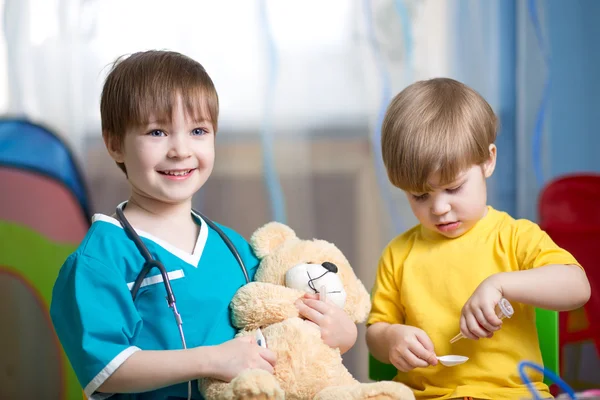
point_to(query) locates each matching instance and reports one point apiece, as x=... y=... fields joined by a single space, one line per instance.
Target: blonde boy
x=446 y=274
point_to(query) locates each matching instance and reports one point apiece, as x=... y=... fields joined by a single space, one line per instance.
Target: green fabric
x=37 y=260
x=547 y=326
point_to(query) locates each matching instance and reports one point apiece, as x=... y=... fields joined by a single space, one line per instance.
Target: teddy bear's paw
x=387 y=390
x=367 y=391
x=255 y=384
x=334 y=392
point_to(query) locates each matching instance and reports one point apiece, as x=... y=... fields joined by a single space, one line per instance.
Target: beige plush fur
x=306 y=367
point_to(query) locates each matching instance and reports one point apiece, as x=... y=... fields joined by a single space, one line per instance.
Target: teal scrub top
x=100 y=326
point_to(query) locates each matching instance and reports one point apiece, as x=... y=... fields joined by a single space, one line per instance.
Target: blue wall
x=574 y=34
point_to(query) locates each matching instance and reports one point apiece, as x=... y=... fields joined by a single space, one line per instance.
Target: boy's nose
x=440 y=207
x=179 y=148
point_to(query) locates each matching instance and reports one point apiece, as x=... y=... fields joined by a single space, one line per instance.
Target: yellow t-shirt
x=424 y=279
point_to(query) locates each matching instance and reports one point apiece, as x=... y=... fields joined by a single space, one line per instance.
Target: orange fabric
x=577 y=320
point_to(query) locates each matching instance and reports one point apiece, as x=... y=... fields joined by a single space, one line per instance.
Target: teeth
x=177 y=173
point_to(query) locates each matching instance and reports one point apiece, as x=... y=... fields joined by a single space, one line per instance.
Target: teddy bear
x=306 y=367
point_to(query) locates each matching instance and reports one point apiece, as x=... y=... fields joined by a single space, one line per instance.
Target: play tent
x=44 y=214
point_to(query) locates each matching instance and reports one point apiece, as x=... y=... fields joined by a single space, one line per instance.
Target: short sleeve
x=386 y=300
x=95 y=319
x=535 y=248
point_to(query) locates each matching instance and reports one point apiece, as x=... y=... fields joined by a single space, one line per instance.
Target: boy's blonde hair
x=146 y=85
x=435 y=126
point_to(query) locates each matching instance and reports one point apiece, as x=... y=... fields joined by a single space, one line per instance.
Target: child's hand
x=337 y=329
x=410 y=348
x=478 y=317
x=236 y=355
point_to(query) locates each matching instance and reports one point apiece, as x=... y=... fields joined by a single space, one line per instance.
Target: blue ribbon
x=537 y=139
x=549 y=374
x=272 y=182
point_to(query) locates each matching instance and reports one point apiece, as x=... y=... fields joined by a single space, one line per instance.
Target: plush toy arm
x=258 y=304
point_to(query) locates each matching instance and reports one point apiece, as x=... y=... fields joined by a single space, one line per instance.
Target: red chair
x=569 y=211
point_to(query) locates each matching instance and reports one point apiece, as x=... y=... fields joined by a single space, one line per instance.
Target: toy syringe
x=503 y=310
x=323 y=293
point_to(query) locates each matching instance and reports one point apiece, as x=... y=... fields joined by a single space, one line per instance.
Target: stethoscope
x=152 y=263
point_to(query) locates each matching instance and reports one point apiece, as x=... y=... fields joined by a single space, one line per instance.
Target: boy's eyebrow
x=455 y=184
x=460 y=180
x=155 y=122
x=201 y=121
x=193 y=121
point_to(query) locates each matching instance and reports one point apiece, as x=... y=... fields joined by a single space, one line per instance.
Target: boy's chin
x=452 y=235
x=173 y=198
x=176 y=195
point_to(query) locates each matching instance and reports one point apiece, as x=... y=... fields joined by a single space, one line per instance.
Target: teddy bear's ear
x=269 y=237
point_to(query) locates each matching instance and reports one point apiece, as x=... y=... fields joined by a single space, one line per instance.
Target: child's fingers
x=266 y=365
x=464 y=329
x=476 y=331
x=314 y=296
x=482 y=319
x=308 y=312
x=492 y=318
x=413 y=357
x=420 y=357
x=318 y=305
x=268 y=355
x=427 y=344
x=400 y=363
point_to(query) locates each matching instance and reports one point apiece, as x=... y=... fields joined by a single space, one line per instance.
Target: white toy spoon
x=451 y=361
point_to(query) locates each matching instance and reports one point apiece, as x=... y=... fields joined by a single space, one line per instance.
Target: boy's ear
x=114 y=146
x=490 y=164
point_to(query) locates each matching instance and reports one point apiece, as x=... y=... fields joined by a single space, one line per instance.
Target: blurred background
x=303 y=86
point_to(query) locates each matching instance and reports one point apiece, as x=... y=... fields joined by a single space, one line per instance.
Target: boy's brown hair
x=145 y=85
x=435 y=126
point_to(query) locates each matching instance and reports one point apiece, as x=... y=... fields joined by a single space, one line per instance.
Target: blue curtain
x=536 y=63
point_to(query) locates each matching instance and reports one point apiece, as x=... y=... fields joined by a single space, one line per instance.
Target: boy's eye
x=454 y=190
x=198 y=131
x=420 y=197
x=156 y=133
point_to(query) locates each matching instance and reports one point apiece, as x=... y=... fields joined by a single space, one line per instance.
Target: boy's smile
x=177 y=174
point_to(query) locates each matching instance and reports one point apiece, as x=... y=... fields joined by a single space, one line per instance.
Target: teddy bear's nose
x=331 y=267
